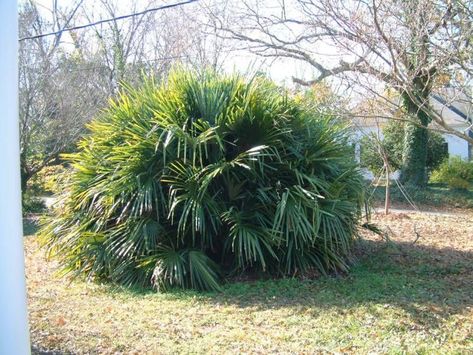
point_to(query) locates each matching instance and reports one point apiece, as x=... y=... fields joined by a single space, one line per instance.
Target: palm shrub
x=202 y=176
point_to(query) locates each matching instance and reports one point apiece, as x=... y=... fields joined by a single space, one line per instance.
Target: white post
x=14 y=334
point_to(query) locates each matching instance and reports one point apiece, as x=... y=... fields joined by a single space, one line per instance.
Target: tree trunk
x=414 y=155
x=387 y=197
x=413 y=171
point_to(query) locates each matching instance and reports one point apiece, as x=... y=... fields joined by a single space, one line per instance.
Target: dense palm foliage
x=204 y=176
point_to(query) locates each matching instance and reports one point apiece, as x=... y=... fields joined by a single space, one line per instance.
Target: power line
x=164 y=7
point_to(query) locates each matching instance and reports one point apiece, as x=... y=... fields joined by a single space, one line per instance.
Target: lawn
x=411 y=292
x=433 y=197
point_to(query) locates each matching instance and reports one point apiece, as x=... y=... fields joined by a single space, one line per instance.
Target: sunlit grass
x=399 y=297
x=434 y=196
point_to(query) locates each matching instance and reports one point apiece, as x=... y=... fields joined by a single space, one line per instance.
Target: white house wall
x=450 y=117
x=456 y=146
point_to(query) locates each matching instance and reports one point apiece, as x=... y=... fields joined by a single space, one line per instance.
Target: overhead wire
x=91 y=24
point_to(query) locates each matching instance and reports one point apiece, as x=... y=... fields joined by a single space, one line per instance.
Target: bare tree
x=118 y=45
x=65 y=79
x=416 y=47
x=52 y=110
x=152 y=42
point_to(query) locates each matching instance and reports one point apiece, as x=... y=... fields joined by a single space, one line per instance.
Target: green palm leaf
x=184 y=181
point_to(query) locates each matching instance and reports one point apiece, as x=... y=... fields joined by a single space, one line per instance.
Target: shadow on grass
x=434 y=195
x=430 y=284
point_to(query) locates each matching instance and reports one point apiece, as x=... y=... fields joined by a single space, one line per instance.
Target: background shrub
x=455 y=172
x=48 y=180
x=182 y=183
x=393 y=145
x=32 y=203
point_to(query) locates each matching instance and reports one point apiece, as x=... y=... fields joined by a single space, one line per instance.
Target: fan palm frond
x=181 y=182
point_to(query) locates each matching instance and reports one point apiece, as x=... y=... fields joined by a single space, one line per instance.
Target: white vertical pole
x=14 y=334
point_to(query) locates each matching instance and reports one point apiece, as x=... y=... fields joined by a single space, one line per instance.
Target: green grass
x=435 y=195
x=398 y=298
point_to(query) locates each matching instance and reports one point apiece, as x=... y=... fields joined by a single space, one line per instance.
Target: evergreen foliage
x=182 y=183
x=393 y=144
x=455 y=172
